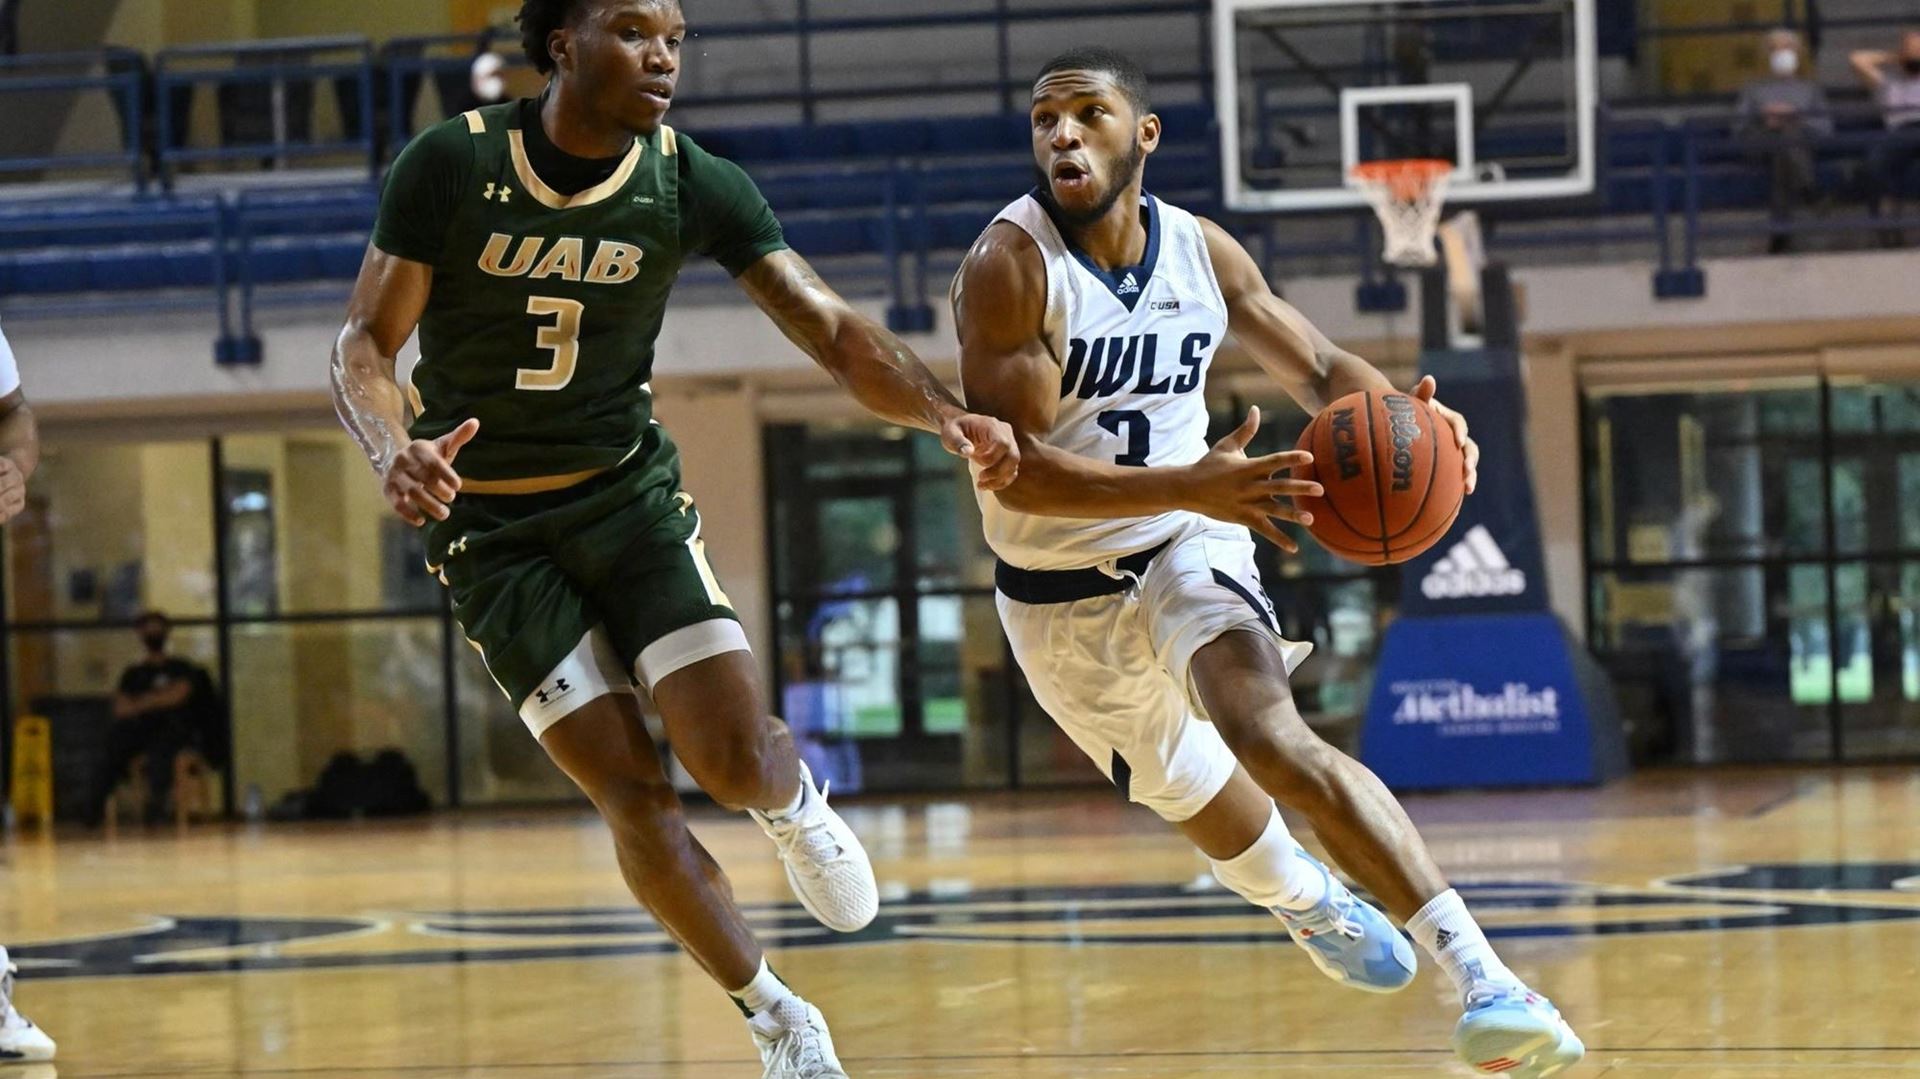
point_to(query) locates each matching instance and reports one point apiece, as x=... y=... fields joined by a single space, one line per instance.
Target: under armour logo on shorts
x=560 y=688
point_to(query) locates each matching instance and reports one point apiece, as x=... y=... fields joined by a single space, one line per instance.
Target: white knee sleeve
x=1272 y=873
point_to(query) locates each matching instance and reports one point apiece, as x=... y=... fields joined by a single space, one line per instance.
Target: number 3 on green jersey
x=562 y=339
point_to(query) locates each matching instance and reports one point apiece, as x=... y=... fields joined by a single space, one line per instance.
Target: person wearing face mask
x=1780 y=117
x=1894 y=78
x=165 y=705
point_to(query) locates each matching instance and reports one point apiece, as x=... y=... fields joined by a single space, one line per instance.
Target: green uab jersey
x=544 y=306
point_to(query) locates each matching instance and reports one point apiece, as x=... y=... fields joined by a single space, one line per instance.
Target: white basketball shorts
x=1112 y=670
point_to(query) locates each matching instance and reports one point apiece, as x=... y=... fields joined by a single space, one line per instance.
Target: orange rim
x=1405 y=178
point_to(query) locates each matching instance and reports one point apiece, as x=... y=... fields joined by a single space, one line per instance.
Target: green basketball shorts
x=574 y=594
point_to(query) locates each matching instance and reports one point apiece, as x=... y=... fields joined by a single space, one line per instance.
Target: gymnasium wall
x=723 y=375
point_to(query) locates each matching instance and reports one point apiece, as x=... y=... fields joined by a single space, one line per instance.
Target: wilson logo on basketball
x=1406 y=431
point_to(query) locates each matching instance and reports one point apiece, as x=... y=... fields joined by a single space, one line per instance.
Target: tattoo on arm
x=387 y=303
x=369 y=414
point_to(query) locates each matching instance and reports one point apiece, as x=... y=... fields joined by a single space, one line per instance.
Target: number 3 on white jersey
x=562 y=338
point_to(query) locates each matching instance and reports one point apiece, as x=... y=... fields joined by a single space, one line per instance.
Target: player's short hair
x=1128 y=75
x=538 y=20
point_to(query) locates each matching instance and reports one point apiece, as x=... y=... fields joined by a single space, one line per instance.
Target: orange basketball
x=1393 y=473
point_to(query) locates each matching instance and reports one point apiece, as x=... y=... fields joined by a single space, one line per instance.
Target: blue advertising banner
x=1478 y=684
x=1479 y=701
x=1491 y=560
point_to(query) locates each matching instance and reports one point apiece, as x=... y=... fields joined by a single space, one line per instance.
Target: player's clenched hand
x=1229 y=486
x=1469 y=449
x=13 y=490
x=420 y=480
x=986 y=442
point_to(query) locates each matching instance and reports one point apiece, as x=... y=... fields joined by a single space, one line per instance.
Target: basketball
x=1393 y=474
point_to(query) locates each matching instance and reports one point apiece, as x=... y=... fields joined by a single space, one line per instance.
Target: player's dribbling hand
x=1229 y=486
x=1469 y=449
x=13 y=490
x=420 y=480
x=987 y=443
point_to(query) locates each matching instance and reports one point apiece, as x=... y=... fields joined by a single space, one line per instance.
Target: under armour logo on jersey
x=457 y=547
x=560 y=688
x=504 y=191
x=1128 y=286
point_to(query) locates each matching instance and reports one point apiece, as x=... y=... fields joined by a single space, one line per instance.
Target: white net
x=1408 y=197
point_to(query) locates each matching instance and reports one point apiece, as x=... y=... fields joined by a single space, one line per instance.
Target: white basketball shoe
x=798 y=1048
x=20 y=1040
x=826 y=865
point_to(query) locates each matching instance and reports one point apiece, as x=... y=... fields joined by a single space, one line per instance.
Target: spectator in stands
x=1781 y=117
x=1895 y=80
x=164 y=706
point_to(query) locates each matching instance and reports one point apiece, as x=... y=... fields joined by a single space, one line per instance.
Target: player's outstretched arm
x=879 y=370
x=417 y=476
x=1010 y=372
x=1311 y=368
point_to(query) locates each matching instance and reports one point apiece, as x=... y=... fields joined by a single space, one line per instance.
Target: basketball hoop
x=1408 y=195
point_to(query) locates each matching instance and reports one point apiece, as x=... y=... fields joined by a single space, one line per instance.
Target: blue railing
x=286 y=70
x=1661 y=186
x=377 y=89
x=900 y=194
x=114 y=72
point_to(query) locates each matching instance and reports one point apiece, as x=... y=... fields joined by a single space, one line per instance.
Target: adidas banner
x=1478 y=684
x=1491 y=561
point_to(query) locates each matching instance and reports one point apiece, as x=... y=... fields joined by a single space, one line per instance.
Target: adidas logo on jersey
x=1475 y=568
x=1128 y=286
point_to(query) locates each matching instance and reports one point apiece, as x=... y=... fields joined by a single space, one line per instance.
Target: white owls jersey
x=1133 y=347
x=9 y=370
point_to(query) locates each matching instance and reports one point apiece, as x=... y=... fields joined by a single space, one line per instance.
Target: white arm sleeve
x=9 y=371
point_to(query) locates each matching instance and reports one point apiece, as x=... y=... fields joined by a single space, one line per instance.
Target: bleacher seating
x=884 y=189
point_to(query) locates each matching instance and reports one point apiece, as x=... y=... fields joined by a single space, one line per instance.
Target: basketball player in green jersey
x=534 y=245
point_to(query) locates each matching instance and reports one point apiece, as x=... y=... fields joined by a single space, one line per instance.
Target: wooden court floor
x=1700 y=924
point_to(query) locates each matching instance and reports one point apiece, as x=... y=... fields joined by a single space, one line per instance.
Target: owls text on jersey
x=1134 y=346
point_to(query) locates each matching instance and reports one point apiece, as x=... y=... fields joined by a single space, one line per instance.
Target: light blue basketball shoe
x=1349 y=940
x=1511 y=1030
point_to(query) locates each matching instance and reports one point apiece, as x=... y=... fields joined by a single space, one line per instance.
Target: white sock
x=1271 y=873
x=1449 y=934
x=766 y=994
x=788 y=811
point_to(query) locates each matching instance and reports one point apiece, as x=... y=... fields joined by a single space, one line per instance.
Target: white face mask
x=1785 y=62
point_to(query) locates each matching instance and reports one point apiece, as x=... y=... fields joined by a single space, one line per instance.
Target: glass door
x=1876 y=470
x=891 y=667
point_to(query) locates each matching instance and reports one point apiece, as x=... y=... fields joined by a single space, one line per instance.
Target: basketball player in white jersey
x=20 y=1040
x=1088 y=315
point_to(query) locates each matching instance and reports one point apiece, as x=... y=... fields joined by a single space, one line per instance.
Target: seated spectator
x=164 y=706
x=1780 y=118
x=1895 y=81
